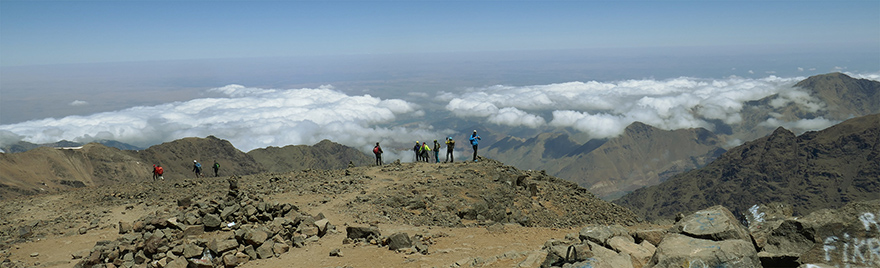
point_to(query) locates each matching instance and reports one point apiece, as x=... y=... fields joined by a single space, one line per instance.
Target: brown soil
x=47 y=230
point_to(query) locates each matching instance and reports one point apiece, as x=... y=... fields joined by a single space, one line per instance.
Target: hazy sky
x=274 y=73
x=50 y=32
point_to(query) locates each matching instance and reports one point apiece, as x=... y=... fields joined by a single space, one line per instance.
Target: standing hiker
x=436 y=152
x=160 y=171
x=216 y=167
x=197 y=168
x=450 y=145
x=475 y=139
x=378 y=152
x=155 y=172
x=416 y=150
x=424 y=152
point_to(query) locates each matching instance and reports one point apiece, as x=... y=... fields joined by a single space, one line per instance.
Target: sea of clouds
x=253 y=118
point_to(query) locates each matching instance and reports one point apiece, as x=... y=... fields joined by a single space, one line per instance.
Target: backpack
x=160 y=170
x=198 y=165
x=376 y=150
x=216 y=165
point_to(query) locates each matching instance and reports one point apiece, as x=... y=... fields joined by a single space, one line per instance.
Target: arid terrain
x=47 y=230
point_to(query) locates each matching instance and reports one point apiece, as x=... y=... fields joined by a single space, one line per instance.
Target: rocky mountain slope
x=323 y=155
x=45 y=170
x=824 y=169
x=642 y=156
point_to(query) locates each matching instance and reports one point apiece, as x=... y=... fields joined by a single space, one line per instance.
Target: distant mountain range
x=23 y=146
x=644 y=155
x=824 y=169
x=46 y=169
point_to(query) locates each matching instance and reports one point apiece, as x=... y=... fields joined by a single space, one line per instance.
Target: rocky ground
x=481 y=214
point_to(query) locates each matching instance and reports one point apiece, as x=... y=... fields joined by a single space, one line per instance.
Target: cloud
x=248 y=117
x=604 y=109
x=78 y=103
x=802 y=125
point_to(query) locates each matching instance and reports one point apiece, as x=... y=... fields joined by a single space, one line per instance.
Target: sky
x=275 y=73
x=52 y=32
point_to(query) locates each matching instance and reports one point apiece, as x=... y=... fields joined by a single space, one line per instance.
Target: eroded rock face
x=849 y=236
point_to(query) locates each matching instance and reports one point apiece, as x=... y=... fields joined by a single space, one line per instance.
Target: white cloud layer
x=248 y=117
x=604 y=109
x=78 y=103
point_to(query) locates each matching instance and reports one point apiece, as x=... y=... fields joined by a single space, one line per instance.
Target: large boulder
x=714 y=223
x=399 y=241
x=677 y=249
x=353 y=232
x=834 y=237
x=600 y=234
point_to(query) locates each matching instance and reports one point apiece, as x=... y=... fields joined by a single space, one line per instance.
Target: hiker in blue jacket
x=197 y=168
x=474 y=141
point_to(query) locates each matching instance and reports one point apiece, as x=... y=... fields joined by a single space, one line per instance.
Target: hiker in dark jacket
x=475 y=139
x=436 y=152
x=416 y=151
x=378 y=152
x=216 y=167
x=450 y=145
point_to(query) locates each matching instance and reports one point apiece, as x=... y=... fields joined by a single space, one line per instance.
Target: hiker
x=474 y=141
x=216 y=167
x=197 y=168
x=425 y=150
x=378 y=151
x=155 y=172
x=450 y=145
x=160 y=171
x=416 y=150
x=436 y=152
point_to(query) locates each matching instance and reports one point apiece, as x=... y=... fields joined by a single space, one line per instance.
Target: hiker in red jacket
x=378 y=151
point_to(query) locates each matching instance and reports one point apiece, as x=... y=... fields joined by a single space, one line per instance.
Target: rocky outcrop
x=707 y=238
x=846 y=237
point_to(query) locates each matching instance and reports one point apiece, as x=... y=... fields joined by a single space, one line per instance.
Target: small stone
x=35 y=254
x=336 y=253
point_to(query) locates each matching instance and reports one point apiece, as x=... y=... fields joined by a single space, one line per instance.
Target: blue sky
x=52 y=32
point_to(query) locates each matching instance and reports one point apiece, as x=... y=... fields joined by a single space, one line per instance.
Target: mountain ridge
x=818 y=169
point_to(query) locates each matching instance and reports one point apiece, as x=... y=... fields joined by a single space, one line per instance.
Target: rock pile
x=399 y=241
x=713 y=237
x=215 y=233
x=708 y=238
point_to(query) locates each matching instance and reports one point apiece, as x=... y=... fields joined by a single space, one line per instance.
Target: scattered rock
x=399 y=241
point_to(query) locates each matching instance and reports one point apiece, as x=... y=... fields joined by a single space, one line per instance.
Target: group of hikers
x=158 y=171
x=423 y=151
